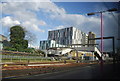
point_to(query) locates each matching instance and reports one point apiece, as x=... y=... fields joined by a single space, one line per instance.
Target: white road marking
x=46 y=64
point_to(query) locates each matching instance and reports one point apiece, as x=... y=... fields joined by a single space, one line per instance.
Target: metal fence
x=24 y=57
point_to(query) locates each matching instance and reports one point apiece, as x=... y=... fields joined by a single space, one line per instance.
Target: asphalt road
x=105 y=71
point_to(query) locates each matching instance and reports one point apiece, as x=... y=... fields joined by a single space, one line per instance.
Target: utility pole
x=101 y=16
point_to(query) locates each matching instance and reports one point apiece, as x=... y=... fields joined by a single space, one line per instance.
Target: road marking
x=47 y=64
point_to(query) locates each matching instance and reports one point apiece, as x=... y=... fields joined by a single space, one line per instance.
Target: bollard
x=65 y=62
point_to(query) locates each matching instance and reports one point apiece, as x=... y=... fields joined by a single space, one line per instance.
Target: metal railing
x=23 y=57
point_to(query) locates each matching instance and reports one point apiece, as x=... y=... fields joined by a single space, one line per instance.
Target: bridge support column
x=93 y=56
x=77 y=57
x=46 y=53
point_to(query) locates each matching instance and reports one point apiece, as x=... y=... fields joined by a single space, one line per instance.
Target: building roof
x=2 y=37
x=62 y=28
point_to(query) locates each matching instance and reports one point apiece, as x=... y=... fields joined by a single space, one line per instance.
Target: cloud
x=30 y=26
x=60 y=27
x=82 y=22
x=52 y=8
x=25 y=0
x=9 y=21
x=24 y=13
x=57 y=27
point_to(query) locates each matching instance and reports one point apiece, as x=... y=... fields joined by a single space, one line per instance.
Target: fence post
x=11 y=59
x=20 y=59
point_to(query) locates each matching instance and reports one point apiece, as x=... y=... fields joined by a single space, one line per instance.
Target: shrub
x=9 y=49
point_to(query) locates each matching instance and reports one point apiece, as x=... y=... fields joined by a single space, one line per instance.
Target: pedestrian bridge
x=64 y=50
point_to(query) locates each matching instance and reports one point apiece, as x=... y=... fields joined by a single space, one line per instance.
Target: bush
x=29 y=50
x=9 y=49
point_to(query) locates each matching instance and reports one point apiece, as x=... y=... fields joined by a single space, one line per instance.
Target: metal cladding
x=64 y=37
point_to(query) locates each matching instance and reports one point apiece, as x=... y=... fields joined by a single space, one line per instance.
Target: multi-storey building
x=45 y=44
x=66 y=36
x=91 y=35
x=84 y=38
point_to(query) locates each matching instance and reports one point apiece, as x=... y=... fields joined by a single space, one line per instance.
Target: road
x=105 y=71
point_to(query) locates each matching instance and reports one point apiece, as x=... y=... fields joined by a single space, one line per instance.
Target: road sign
x=84 y=54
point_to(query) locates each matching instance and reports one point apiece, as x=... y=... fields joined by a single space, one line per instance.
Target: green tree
x=17 y=35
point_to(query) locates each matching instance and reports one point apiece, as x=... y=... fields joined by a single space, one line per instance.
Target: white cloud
x=57 y=27
x=9 y=21
x=25 y=0
x=43 y=23
x=32 y=27
x=29 y=25
x=75 y=19
x=18 y=8
x=82 y=22
x=60 y=27
x=60 y=0
x=23 y=12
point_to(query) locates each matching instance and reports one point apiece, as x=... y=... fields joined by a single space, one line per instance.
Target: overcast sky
x=40 y=17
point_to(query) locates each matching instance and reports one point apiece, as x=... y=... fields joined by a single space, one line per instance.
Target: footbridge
x=77 y=47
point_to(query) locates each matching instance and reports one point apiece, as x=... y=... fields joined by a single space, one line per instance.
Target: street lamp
x=101 y=15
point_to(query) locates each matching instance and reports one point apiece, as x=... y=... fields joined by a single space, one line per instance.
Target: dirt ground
x=13 y=71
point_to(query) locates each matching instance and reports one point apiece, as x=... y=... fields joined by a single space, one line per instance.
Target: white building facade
x=66 y=36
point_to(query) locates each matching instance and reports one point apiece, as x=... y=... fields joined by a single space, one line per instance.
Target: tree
x=17 y=35
x=30 y=37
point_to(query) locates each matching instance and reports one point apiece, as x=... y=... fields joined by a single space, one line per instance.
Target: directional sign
x=84 y=54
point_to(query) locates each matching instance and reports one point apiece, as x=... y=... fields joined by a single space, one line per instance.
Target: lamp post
x=101 y=16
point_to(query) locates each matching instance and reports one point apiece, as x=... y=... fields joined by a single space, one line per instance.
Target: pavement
x=16 y=71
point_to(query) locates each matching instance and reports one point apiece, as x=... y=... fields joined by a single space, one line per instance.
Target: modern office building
x=84 y=38
x=66 y=36
x=45 y=44
x=91 y=35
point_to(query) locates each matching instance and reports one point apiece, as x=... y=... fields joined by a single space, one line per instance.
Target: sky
x=40 y=17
